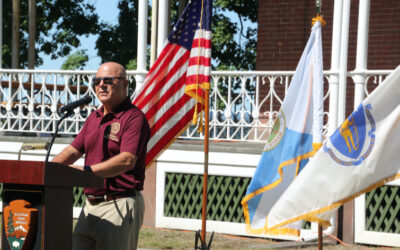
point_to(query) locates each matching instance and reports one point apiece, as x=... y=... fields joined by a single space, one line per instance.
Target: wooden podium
x=48 y=187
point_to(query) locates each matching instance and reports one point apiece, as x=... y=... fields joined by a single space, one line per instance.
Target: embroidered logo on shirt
x=115 y=127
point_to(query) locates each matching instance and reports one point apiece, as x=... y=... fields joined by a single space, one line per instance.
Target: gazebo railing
x=243 y=104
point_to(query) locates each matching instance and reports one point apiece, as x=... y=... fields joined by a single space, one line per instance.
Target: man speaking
x=114 y=140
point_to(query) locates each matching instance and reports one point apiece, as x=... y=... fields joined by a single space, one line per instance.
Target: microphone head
x=73 y=105
x=34 y=146
x=87 y=99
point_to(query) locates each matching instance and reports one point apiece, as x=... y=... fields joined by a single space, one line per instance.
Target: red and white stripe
x=199 y=68
x=162 y=97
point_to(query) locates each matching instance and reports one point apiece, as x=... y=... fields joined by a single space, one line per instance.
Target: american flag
x=173 y=89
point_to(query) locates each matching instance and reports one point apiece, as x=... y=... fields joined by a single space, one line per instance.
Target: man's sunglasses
x=107 y=80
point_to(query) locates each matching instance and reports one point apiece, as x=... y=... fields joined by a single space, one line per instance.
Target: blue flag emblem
x=351 y=143
x=350 y=137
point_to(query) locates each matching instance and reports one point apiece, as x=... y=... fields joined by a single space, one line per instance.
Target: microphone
x=34 y=146
x=73 y=105
x=67 y=111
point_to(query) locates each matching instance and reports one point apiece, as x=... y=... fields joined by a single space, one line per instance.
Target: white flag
x=361 y=155
x=296 y=129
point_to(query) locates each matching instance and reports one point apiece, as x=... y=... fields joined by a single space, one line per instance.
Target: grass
x=160 y=238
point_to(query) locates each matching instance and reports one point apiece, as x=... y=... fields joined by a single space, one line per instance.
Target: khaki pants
x=110 y=225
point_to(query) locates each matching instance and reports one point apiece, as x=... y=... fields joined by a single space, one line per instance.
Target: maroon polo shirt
x=125 y=129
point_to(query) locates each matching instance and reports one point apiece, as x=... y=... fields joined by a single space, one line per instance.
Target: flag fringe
x=297 y=159
x=280 y=231
x=311 y=216
x=189 y=92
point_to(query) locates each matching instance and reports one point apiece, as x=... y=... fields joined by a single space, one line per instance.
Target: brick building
x=284 y=28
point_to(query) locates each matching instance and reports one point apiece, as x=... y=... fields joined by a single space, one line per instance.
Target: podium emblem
x=20 y=221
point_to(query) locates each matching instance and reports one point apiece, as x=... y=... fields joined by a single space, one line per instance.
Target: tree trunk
x=15 y=34
x=32 y=34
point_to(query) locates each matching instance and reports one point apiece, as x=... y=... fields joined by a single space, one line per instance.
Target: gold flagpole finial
x=318 y=17
x=318 y=5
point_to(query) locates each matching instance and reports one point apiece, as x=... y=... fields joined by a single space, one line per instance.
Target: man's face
x=111 y=91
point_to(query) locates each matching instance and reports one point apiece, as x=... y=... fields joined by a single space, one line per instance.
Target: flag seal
x=352 y=143
x=277 y=132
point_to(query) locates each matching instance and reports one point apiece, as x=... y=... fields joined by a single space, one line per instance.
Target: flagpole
x=320 y=243
x=205 y=174
x=318 y=5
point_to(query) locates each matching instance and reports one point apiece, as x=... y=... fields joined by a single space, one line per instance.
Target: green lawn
x=159 y=238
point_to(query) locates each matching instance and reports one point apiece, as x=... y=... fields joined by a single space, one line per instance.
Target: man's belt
x=96 y=199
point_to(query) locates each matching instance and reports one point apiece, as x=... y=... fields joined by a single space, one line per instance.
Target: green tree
x=119 y=42
x=74 y=61
x=233 y=46
x=59 y=24
x=229 y=53
x=132 y=64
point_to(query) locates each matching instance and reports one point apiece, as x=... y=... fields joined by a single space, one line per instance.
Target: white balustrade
x=243 y=104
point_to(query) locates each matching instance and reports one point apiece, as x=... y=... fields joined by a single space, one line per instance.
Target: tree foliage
x=233 y=48
x=59 y=24
x=119 y=42
x=230 y=53
x=233 y=44
x=74 y=61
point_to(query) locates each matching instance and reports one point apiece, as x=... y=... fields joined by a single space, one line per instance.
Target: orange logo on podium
x=20 y=221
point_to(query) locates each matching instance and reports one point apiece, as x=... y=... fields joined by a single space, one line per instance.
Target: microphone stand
x=66 y=114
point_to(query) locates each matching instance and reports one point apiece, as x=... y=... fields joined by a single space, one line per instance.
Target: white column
x=335 y=62
x=153 y=45
x=1 y=55
x=334 y=81
x=142 y=42
x=362 y=51
x=162 y=24
x=1 y=33
x=343 y=61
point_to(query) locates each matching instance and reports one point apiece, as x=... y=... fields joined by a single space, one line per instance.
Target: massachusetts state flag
x=173 y=90
x=361 y=155
x=290 y=143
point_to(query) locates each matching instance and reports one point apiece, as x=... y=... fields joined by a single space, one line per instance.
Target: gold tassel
x=197 y=120
x=194 y=121
x=319 y=18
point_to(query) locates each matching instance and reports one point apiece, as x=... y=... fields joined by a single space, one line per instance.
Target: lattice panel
x=383 y=210
x=79 y=197
x=306 y=225
x=183 y=197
